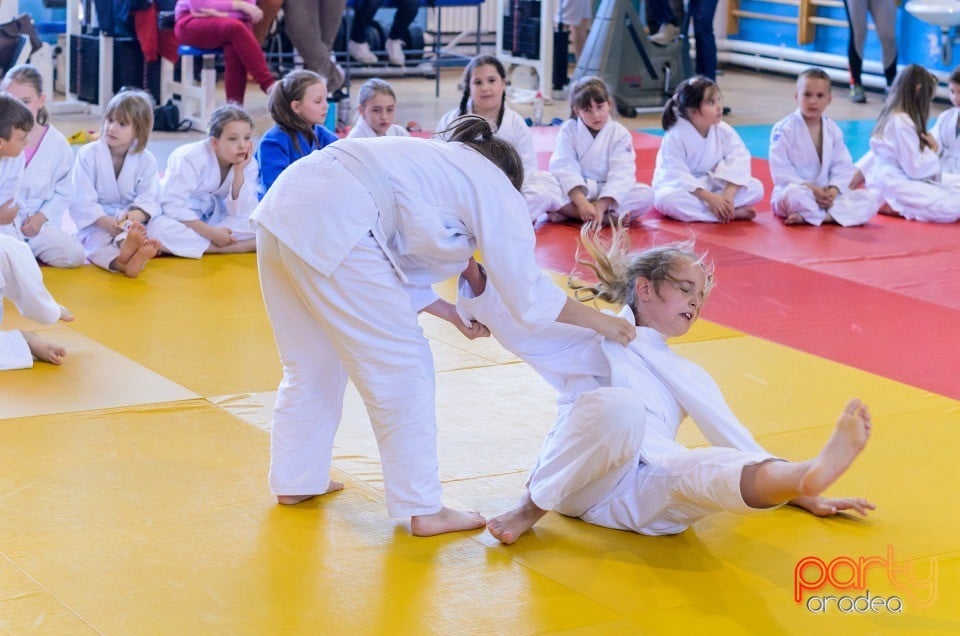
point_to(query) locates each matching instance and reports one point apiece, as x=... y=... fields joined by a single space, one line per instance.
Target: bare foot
x=887 y=210
x=557 y=217
x=793 y=219
x=849 y=437
x=290 y=500
x=136 y=237
x=447 y=520
x=138 y=261
x=238 y=247
x=65 y=314
x=44 y=350
x=744 y=213
x=508 y=527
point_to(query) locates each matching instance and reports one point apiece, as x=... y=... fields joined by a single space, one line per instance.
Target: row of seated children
x=909 y=171
x=916 y=171
x=702 y=172
x=123 y=214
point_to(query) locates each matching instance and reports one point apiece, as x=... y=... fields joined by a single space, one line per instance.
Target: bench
x=197 y=99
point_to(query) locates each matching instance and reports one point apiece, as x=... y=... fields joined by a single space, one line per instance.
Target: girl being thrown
x=612 y=458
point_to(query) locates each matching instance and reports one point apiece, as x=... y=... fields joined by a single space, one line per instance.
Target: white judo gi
x=612 y=458
x=22 y=282
x=191 y=190
x=687 y=161
x=101 y=192
x=361 y=129
x=349 y=240
x=46 y=186
x=908 y=179
x=794 y=161
x=947 y=134
x=513 y=129
x=604 y=166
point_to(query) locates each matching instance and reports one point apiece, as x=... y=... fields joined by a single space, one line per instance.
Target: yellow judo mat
x=133 y=494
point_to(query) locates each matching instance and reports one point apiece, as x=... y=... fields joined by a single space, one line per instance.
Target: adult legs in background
x=270 y=10
x=406 y=12
x=701 y=14
x=241 y=51
x=312 y=28
x=358 y=47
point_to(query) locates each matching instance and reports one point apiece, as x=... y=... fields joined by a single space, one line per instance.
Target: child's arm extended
x=219 y=236
x=828 y=506
x=448 y=311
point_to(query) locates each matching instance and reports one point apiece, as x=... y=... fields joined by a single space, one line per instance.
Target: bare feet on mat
x=508 y=527
x=793 y=219
x=136 y=237
x=290 y=500
x=886 y=210
x=744 y=213
x=138 y=261
x=44 y=350
x=447 y=520
x=65 y=314
x=849 y=437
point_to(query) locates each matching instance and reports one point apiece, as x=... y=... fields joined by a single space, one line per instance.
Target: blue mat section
x=856 y=134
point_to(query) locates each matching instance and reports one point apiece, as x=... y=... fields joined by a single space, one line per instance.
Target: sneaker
x=667 y=34
x=857 y=96
x=336 y=79
x=395 y=52
x=360 y=51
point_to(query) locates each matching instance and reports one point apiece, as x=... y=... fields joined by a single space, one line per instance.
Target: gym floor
x=133 y=494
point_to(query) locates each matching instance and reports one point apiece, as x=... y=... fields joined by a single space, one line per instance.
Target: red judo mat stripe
x=866 y=327
x=882 y=298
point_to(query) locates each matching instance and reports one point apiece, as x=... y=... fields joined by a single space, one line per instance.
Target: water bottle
x=538 y=109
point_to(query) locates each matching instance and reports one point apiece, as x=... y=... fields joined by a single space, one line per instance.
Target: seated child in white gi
x=22 y=282
x=16 y=122
x=376 y=111
x=45 y=186
x=946 y=132
x=593 y=167
x=612 y=458
x=209 y=190
x=484 y=85
x=118 y=188
x=811 y=167
x=703 y=167
x=906 y=168
x=298 y=106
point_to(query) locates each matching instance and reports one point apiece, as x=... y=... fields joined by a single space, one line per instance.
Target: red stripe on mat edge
x=882 y=332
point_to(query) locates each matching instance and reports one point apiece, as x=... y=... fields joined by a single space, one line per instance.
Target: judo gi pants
x=681 y=205
x=591 y=467
x=852 y=208
x=51 y=245
x=356 y=323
